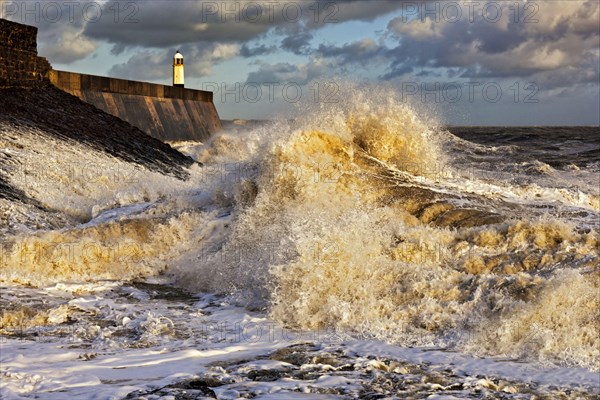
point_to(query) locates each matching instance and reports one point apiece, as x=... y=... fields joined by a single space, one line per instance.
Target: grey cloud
x=361 y=52
x=246 y=51
x=397 y=71
x=118 y=48
x=269 y=73
x=587 y=74
x=325 y=12
x=285 y=73
x=163 y=24
x=160 y=24
x=144 y=66
x=297 y=43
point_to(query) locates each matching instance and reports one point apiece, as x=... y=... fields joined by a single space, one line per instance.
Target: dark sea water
x=556 y=146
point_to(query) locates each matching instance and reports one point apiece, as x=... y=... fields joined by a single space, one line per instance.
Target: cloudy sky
x=468 y=62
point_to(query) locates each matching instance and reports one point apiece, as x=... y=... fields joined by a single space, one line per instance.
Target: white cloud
x=68 y=46
x=225 y=51
x=416 y=29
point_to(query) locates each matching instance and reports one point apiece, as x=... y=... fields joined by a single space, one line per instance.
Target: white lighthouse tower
x=178 y=69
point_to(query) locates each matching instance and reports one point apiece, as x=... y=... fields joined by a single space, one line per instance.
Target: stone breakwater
x=19 y=62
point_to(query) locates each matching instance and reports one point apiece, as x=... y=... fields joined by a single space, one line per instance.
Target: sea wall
x=20 y=65
x=165 y=112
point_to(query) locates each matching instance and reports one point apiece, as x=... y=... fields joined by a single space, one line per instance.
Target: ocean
x=355 y=250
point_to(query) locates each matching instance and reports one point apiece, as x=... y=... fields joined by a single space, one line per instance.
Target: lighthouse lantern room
x=178 y=69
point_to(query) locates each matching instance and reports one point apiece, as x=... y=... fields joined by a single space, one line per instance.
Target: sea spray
x=348 y=235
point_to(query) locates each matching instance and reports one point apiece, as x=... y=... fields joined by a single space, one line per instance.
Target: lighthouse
x=178 y=69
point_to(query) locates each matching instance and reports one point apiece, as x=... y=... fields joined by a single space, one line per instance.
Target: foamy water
x=363 y=218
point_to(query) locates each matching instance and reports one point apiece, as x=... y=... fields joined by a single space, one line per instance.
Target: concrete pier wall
x=165 y=112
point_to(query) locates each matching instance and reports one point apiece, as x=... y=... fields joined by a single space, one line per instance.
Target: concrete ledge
x=163 y=112
x=72 y=81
